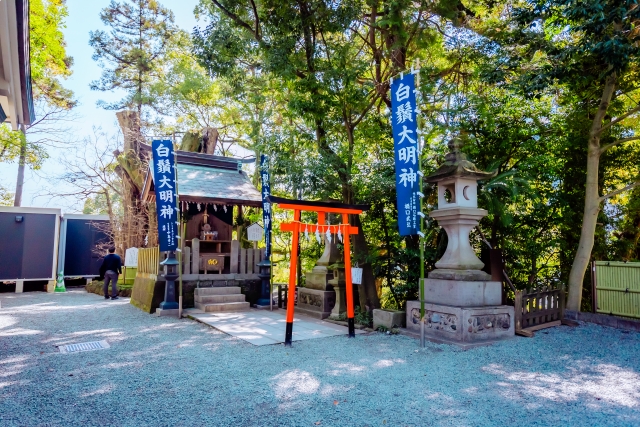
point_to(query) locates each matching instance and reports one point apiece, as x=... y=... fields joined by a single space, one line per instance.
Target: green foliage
x=131 y=53
x=6 y=198
x=184 y=90
x=11 y=143
x=49 y=64
x=362 y=317
x=49 y=59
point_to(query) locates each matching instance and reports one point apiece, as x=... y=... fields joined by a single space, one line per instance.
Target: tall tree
x=131 y=52
x=592 y=50
x=50 y=64
x=334 y=61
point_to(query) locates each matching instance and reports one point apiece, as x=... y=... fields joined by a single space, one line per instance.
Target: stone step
x=213 y=299
x=224 y=306
x=223 y=290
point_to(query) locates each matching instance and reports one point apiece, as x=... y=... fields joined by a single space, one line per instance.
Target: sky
x=84 y=16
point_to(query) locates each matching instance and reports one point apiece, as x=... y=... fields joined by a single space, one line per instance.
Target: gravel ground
x=169 y=372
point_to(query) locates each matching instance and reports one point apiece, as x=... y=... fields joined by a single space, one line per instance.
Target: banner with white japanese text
x=266 y=205
x=164 y=179
x=405 y=137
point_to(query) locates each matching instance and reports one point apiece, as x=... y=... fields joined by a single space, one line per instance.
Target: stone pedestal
x=339 y=285
x=315 y=303
x=173 y=312
x=388 y=318
x=462 y=325
x=461 y=293
x=458 y=223
x=340 y=305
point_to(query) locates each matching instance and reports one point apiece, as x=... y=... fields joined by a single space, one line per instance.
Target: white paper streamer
x=340 y=233
x=328 y=234
x=306 y=232
x=318 y=235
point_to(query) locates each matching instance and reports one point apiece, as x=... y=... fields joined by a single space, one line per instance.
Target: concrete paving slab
x=260 y=327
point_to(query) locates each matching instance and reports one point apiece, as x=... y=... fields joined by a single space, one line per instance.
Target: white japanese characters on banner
x=406 y=140
x=165 y=188
x=266 y=204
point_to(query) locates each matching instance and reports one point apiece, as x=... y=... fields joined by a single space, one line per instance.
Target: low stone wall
x=604 y=320
x=97 y=287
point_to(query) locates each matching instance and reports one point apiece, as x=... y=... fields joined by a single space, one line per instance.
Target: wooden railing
x=537 y=309
x=148 y=260
x=240 y=261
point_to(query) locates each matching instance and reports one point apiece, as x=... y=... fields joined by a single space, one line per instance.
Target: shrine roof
x=209 y=184
x=210 y=179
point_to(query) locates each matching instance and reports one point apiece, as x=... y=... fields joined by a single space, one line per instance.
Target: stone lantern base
x=315 y=303
x=462 y=326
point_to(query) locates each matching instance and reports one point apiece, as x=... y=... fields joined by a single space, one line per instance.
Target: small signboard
x=255 y=233
x=131 y=257
x=356 y=275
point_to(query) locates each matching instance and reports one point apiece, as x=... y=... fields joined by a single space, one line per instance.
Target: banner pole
x=181 y=225
x=420 y=186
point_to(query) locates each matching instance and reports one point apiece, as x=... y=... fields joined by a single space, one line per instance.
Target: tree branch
x=618 y=142
x=255 y=14
x=235 y=18
x=619 y=119
x=621 y=190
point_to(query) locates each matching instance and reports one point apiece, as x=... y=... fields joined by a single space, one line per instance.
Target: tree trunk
x=367 y=290
x=210 y=140
x=21 y=165
x=592 y=200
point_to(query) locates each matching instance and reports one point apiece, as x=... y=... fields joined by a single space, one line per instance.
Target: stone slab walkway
x=264 y=327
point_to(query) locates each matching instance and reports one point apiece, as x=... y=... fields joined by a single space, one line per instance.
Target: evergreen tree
x=131 y=52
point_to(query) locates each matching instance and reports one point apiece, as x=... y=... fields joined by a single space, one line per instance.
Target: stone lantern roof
x=456 y=165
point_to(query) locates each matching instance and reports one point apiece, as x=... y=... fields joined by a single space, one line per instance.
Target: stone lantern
x=462 y=303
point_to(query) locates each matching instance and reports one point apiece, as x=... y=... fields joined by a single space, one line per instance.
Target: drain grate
x=84 y=346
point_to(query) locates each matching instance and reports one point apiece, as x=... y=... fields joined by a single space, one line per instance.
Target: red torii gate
x=322 y=208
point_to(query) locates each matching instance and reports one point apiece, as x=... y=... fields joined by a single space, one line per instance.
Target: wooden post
x=561 y=296
x=518 y=310
x=186 y=255
x=195 y=256
x=292 y=278
x=235 y=256
x=250 y=263
x=347 y=276
x=594 y=288
x=243 y=261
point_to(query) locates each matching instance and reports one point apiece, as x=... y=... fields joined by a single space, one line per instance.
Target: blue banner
x=266 y=205
x=405 y=136
x=164 y=181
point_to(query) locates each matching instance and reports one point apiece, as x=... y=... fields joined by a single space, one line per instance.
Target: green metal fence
x=128 y=276
x=617 y=288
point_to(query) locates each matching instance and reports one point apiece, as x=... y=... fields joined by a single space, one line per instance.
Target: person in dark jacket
x=111 y=267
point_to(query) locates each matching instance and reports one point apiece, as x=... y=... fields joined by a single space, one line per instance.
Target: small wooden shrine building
x=209 y=188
